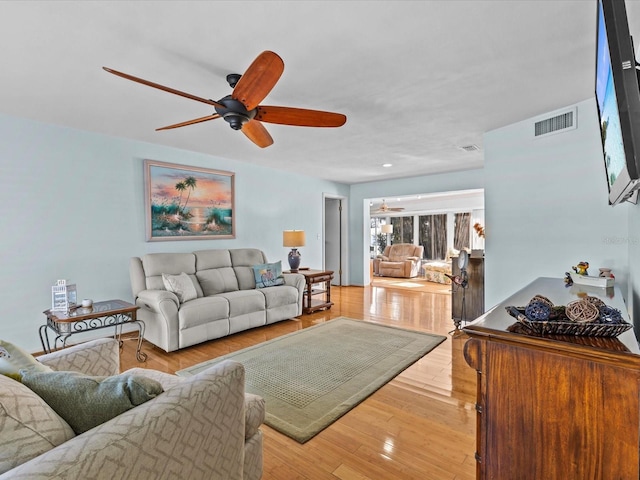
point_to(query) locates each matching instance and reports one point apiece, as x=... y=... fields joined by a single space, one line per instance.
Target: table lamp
x=293 y=239
x=387 y=228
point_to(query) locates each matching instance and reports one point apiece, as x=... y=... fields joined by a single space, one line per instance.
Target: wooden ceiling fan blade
x=190 y=122
x=256 y=132
x=299 y=117
x=258 y=80
x=163 y=88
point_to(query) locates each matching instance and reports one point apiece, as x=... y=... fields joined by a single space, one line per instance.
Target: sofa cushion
x=85 y=401
x=28 y=426
x=244 y=302
x=155 y=264
x=202 y=311
x=208 y=259
x=243 y=260
x=13 y=359
x=217 y=280
x=268 y=274
x=279 y=296
x=182 y=285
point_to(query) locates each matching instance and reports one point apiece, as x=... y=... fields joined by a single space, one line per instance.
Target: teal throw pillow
x=268 y=274
x=84 y=401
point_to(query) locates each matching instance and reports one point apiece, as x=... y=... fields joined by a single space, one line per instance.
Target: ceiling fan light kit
x=242 y=109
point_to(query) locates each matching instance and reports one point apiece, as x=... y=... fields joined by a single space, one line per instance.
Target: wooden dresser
x=563 y=408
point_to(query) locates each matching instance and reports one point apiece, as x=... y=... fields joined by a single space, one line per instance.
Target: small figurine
x=581 y=268
x=606 y=273
x=567 y=279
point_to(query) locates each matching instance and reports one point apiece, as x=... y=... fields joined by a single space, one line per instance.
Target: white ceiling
x=416 y=79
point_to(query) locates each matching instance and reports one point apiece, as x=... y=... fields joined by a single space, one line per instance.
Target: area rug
x=312 y=377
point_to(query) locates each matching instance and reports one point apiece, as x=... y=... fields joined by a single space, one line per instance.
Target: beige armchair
x=204 y=427
x=401 y=260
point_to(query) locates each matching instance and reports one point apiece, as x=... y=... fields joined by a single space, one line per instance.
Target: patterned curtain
x=462 y=231
x=433 y=236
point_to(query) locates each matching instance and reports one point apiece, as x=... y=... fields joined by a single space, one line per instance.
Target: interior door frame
x=343 y=237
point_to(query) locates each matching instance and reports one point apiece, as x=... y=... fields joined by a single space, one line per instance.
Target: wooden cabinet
x=555 y=407
x=468 y=303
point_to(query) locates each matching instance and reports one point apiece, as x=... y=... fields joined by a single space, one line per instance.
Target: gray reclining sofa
x=227 y=298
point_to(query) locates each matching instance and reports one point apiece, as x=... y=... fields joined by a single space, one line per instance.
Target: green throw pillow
x=84 y=401
x=13 y=359
x=268 y=274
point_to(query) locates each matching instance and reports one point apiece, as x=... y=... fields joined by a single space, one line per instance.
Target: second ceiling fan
x=242 y=109
x=384 y=208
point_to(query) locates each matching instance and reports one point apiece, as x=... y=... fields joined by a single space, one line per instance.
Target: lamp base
x=294 y=260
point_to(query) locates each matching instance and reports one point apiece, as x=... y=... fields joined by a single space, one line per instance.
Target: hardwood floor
x=421 y=425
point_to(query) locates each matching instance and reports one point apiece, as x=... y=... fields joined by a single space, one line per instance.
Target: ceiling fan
x=384 y=208
x=242 y=109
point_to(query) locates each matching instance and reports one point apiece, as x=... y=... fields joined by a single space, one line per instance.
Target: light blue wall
x=633 y=243
x=73 y=208
x=546 y=207
x=359 y=207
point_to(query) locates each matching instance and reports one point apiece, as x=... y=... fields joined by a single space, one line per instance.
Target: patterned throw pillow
x=13 y=359
x=181 y=285
x=268 y=274
x=85 y=401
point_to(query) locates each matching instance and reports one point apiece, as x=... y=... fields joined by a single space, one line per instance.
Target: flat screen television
x=618 y=100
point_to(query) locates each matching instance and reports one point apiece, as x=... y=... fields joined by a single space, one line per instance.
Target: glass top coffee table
x=105 y=314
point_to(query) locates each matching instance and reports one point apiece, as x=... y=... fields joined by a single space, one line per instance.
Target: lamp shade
x=387 y=228
x=293 y=238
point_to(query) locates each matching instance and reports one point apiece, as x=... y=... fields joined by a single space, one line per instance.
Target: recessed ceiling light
x=387 y=165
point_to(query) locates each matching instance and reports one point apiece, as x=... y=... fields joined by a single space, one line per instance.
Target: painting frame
x=188 y=203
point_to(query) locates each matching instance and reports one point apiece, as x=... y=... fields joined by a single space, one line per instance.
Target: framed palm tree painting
x=188 y=203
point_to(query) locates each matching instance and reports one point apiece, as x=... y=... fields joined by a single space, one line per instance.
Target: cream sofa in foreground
x=227 y=298
x=203 y=427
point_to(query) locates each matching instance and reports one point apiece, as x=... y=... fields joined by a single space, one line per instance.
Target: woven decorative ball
x=610 y=315
x=537 y=310
x=543 y=299
x=594 y=300
x=582 y=311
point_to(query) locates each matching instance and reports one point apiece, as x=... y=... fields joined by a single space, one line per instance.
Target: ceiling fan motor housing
x=234 y=113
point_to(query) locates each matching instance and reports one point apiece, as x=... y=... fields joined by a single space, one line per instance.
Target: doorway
x=334 y=251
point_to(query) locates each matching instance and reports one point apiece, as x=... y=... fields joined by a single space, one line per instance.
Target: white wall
x=546 y=206
x=73 y=208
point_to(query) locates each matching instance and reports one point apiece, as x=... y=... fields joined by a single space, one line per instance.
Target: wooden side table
x=110 y=313
x=317 y=298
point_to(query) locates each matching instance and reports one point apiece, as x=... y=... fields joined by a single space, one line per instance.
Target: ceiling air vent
x=469 y=148
x=558 y=123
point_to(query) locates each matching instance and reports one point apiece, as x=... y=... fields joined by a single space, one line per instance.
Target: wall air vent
x=560 y=122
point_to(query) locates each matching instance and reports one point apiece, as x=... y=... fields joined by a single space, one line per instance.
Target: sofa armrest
x=255 y=411
x=413 y=259
x=157 y=300
x=294 y=280
x=383 y=258
x=193 y=430
x=298 y=281
x=99 y=357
